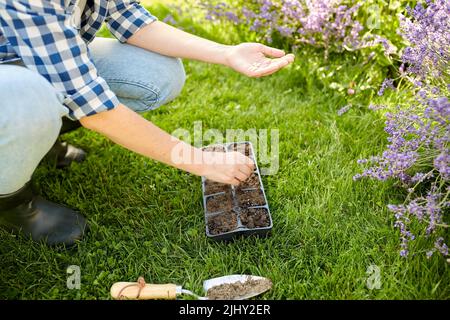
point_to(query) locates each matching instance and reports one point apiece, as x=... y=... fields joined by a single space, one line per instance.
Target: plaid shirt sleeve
x=125 y=17
x=41 y=34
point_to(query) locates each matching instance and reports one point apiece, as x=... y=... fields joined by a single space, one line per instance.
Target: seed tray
x=231 y=211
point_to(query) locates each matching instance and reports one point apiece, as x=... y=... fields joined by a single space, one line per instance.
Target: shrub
x=418 y=154
x=333 y=25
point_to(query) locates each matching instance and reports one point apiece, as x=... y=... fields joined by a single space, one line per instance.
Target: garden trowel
x=232 y=287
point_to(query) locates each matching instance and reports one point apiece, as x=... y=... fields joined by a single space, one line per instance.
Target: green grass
x=147 y=219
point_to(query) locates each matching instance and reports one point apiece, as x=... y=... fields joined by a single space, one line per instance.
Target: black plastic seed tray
x=231 y=211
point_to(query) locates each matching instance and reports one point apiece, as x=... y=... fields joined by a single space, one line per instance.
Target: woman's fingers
x=246 y=169
x=275 y=65
x=249 y=162
x=234 y=182
x=272 y=52
x=241 y=176
x=268 y=73
x=290 y=57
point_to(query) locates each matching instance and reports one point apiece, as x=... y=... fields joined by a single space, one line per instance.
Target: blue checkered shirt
x=42 y=35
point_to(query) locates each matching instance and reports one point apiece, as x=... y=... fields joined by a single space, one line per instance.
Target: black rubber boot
x=69 y=125
x=42 y=220
x=63 y=153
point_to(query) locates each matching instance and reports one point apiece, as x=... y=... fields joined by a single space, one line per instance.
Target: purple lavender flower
x=375 y=107
x=170 y=20
x=441 y=246
x=442 y=164
x=344 y=110
x=387 y=83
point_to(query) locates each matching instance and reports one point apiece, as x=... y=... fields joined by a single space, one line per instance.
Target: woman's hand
x=255 y=59
x=230 y=167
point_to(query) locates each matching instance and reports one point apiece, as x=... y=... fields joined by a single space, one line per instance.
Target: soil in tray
x=255 y=218
x=251 y=182
x=222 y=223
x=243 y=148
x=250 y=198
x=214 y=149
x=216 y=187
x=220 y=202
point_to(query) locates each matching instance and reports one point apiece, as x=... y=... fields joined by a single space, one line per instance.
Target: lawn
x=147 y=219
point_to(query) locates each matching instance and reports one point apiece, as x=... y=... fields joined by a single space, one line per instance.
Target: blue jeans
x=31 y=110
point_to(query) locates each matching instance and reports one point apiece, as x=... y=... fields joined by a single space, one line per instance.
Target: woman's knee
x=171 y=84
x=30 y=120
x=181 y=79
x=162 y=86
x=31 y=108
x=143 y=80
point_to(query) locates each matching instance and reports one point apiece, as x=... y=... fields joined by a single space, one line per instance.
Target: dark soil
x=223 y=222
x=251 y=182
x=220 y=202
x=243 y=148
x=233 y=291
x=250 y=198
x=255 y=218
x=212 y=187
x=214 y=149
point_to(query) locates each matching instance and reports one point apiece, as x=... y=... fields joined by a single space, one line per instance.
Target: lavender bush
x=418 y=153
x=328 y=24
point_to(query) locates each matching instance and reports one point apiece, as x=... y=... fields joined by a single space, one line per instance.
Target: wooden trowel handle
x=130 y=290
